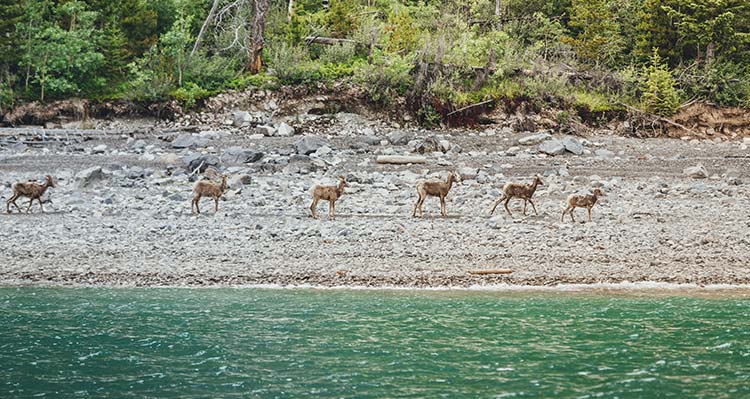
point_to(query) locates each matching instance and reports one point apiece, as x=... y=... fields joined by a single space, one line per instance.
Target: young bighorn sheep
x=31 y=190
x=206 y=188
x=434 y=189
x=518 y=190
x=581 y=201
x=330 y=194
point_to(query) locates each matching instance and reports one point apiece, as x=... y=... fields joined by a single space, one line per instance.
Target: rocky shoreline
x=675 y=210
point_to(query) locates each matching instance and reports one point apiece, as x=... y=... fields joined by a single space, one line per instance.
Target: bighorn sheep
x=434 y=189
x=31 y=190
x=517 y=190
x=330 y=194
x=206 y=188
x=581 y=201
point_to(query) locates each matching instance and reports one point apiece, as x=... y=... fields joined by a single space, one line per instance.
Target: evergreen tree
x=11 y=13
x=597 y=33
x=658 y=93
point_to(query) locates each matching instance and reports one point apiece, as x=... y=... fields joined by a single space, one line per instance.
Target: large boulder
x=573 y=145
x=88 y=177
x=309 y=144
x=427 y=145
x=552 y=147
x=534 y=138
x=189 y=141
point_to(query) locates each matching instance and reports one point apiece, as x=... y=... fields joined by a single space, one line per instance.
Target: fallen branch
x=471 y=106
x=660 y=118
x=490 y=271
x=330 y=41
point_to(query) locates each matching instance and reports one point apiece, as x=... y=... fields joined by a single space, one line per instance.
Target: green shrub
x=592 y=101
x=725 y=83
x=261 y=80
x=658 y=94
x=7 y=97
x=189 y=94
x=386 y=78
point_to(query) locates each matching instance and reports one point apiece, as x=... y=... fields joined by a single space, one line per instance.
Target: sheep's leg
x=313 y=206
x=40 y=204
x=331 y=210
x=571 y=214
x=196 y=201
x=507 y=199
x=525 y=203
x=499 y=200
x=13 y=200
x=16 y=205
x=442 y=206
x=589 y=209
x=533 y=206
x=421 y=204
x=562 y=219
x=28 y=209
x=216 y=204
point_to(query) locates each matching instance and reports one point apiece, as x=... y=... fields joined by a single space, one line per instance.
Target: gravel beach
x=675 y=210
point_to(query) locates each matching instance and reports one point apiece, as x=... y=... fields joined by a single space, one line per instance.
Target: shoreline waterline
x=646 y=288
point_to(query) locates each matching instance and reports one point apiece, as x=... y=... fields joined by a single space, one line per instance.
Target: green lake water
x=263 y=343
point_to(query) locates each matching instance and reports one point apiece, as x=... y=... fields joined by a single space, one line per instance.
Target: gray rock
x=468 y=173
x=189 y=141
x=427 y=145
x=372 y=140
x=238 y=181
x=696 y=172
x=552 y=147
x=200 y=162
x=88 y=177
x=309 y=144
x=245 y=119
x=266 y=130
x=243 y=155
x=18 y=147
x=137 y=173
x=455 y=149
x=534 y=138
x=284 y=130
x=100 y=149
x=399 y=137
x=604 y=153
x=573 y=145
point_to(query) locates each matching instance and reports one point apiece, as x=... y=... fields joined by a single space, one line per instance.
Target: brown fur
x=581 y=201
x=205 y=188
x=33 y=191
x=517 y=190
x=434 y=189
x=330 y=194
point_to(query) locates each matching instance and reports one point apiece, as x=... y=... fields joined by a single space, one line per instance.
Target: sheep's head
x=454 y=177
x=49 y=181
x=538 y=180
x=343 y=182
x=598 y=192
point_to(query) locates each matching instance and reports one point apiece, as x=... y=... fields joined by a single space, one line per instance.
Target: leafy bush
x=386 y=79
x=189 y=94
x=724 y=83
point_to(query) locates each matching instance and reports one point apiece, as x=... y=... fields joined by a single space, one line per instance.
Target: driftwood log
x=490 y=271
x=400 y=159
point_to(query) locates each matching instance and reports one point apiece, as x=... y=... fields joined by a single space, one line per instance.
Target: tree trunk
x=207 y=22
x=710 y=50
x=498 y=14
x=257 y=29
x=290 y=11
